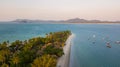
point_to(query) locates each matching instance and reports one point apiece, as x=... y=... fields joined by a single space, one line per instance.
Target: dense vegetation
x=35 y=52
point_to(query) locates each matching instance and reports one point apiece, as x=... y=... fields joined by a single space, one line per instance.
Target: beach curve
x=63 y=61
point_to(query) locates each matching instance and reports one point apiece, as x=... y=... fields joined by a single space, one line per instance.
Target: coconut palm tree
x=2 y=59
x=4 y=65
x=44 y=61
x=15 y=60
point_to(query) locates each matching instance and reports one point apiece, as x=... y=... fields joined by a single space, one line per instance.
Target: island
x=34 y=52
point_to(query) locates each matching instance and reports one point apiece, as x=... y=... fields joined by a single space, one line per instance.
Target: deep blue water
x=84 y=53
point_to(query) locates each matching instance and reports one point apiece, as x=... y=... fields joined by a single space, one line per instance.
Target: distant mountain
x=75 y=20
x=24 y=21
x=35 y=21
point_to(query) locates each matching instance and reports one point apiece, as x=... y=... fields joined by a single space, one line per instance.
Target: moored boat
x=108 y=45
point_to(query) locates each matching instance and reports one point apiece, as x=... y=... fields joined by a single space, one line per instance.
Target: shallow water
x=84 y=53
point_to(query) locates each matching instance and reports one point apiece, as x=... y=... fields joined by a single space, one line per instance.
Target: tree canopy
x=35 y=52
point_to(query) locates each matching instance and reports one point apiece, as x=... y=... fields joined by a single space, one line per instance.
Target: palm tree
x=15 y=60
x=5 y=65
x=2 y=59
x=44 y=61
x=4 y=55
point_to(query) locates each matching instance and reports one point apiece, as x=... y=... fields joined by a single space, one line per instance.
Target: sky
x=60 y=9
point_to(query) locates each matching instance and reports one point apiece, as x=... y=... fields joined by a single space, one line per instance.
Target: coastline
x=63 y=61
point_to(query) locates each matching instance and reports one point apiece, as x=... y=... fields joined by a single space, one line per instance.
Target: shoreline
x=64 y=60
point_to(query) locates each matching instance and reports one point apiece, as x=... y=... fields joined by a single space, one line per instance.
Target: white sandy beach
x=64 y=60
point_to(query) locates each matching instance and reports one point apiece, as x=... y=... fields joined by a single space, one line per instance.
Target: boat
x=117 y=42
x=108 y=45
x=94 y=36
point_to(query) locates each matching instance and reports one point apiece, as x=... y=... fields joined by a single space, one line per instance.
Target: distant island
x=35 y=52
x=74 y=20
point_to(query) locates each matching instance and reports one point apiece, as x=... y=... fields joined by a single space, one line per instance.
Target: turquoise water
x=84 y=53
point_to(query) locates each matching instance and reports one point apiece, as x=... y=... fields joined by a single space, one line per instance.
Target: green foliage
x=35 y=52
x=15 y=61
x=53 y=50
x=44 y=61
x=26 y=57
x=4 y=65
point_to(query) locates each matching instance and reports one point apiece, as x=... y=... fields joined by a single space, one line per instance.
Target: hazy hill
x=74 y=20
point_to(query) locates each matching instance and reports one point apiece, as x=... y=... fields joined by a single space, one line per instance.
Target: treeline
x=35 y=52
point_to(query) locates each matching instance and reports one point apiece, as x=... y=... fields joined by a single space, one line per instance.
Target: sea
x=89 y=46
